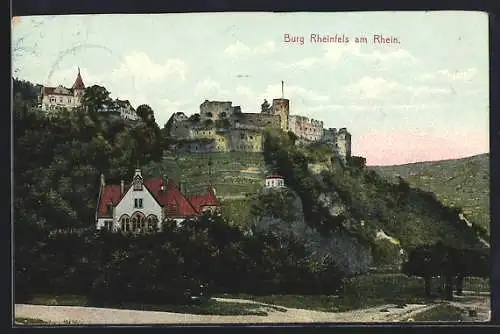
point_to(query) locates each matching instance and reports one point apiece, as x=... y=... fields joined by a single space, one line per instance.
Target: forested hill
x=462 y=183
x=368 y=202
x=58 y=160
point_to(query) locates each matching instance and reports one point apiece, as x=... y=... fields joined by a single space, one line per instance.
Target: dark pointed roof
x=78 y=82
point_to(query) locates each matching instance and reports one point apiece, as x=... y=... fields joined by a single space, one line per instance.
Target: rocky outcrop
x=351 y=256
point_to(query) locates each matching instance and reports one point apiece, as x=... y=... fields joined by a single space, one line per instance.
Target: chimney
x=103 y=181
x=122 y=187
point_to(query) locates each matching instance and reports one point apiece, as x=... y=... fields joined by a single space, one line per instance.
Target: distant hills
x=463 y=183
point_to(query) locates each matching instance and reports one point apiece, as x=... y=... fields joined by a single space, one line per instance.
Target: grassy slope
x=234 y=174
x=459 y=182
x=237 y=173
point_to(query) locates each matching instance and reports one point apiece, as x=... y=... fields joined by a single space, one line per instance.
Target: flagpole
x=282 y=89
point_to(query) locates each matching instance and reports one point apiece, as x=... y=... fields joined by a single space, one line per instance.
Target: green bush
x=372 y=289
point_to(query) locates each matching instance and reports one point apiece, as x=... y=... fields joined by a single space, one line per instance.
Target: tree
x=265 y=106
x=422 y=263
x=293 y=137
x=95 y=97
x=145 y=112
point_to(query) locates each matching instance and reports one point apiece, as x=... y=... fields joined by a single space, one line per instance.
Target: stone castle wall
x=244 y=131
x=215 y=110
x=306 y=128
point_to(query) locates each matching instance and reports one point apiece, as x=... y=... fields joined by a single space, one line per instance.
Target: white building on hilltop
x=54 y=98
x=275 y=181
x=121 y=107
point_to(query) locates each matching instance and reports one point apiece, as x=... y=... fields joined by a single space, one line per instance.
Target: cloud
x=336 y=53
x=449 y=76
x=167 y=107
x=142 y=68
x=294 y=93
x=399 y=55
x=211 y=89
x=66 y=77
x=380 y=88
x=239 y=49
x=370 y=88
x=373 y=107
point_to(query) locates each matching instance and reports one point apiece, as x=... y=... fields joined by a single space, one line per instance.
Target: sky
x=421 y=99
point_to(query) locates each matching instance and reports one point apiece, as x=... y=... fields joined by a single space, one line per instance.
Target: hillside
x=462 y=183
x=370 y=205
x=234 y=173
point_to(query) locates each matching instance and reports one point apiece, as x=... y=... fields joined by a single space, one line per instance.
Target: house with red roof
x=54 y=98
x=142 y=205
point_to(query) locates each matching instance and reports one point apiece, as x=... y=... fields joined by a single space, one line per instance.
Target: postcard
x=251 y=168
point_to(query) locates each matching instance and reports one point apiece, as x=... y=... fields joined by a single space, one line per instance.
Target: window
x=108 y=224
x=138 y=203
x=110 y=209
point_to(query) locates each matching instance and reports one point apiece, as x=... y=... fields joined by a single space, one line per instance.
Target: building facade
x=142 y=205
x=274 y=181
x=56 y=98
x=122 y=108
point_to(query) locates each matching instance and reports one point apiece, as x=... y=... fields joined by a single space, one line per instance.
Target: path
x=383 y=313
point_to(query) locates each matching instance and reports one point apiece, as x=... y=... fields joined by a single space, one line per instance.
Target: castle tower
x=344 y=144
x=78 y=86
x=281 y=107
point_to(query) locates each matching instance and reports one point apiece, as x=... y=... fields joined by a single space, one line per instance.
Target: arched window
x=124 y=219
x=152 y=223
x=138 y=221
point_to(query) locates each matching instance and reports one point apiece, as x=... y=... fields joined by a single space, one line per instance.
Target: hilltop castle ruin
x=222 y=127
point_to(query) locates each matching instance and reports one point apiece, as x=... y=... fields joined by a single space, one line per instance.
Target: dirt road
x=90 y=315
